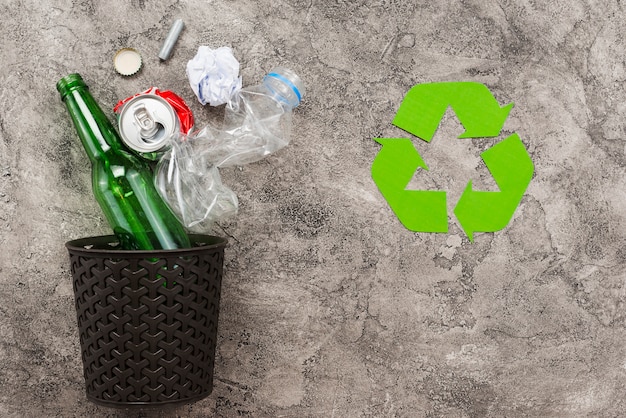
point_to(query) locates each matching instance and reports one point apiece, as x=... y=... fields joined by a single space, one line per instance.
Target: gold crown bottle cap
x=127 y=61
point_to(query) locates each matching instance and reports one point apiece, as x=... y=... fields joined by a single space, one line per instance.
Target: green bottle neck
x=96 y=132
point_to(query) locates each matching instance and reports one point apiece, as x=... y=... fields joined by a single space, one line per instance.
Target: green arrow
x=392 y=169
x=511 y=167
x=424 y=105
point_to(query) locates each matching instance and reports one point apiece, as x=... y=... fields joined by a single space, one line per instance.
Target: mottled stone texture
x=330 y=307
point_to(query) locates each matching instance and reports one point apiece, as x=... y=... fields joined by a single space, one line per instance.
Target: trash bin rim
x=105 y=245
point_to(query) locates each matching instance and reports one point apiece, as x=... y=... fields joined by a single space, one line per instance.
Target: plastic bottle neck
x=284 y=86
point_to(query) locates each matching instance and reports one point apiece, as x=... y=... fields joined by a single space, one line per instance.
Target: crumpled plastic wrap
x=187 y=177
x=191 y=184
x=214 y=75
x=257 y=123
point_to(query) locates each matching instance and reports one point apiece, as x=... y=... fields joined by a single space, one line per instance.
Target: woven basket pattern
x=148 y=326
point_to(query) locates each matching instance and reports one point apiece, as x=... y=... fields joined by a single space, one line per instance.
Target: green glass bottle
x=122 y=183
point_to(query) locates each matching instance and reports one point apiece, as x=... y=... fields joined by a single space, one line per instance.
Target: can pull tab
x=148 y=127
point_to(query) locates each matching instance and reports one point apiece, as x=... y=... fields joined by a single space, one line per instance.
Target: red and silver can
x=148 y=121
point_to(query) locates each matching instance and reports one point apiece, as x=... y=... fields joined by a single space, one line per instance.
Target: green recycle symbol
x=480 y=114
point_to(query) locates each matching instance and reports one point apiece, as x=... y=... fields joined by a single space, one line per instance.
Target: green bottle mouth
x=69 y=83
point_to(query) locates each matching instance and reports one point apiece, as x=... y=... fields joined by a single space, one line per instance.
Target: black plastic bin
x=147 y=320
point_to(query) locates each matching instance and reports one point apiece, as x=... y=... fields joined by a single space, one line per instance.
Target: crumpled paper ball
x=214 y=75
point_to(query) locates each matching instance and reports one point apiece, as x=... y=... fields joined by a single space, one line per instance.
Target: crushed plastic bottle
x=257 y=123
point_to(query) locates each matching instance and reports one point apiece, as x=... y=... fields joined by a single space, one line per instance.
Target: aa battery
x=170 y=40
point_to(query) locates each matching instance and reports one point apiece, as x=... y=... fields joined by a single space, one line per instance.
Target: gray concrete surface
x=330 y=307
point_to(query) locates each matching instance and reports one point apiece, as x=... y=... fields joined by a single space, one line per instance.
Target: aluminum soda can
x=148 y=121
